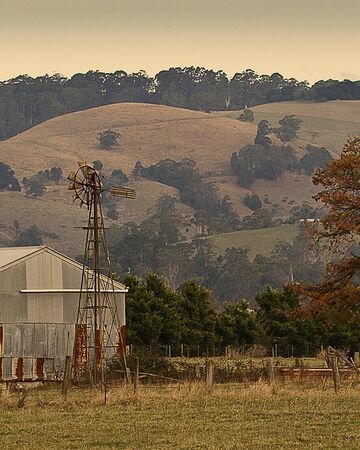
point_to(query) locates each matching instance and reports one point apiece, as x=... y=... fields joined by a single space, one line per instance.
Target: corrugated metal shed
x=39 y=294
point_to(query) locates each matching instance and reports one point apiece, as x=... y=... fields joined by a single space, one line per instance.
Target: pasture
x=328 y=124
x=184 y=416
x=261 y=241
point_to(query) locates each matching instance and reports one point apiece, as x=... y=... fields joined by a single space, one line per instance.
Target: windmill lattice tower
x=98 y=334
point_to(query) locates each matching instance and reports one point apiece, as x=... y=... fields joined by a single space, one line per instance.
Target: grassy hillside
x=260 y=241
x=324 y=123
x=149 y=133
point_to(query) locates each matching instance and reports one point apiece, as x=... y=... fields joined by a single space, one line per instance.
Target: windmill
x=98 y=326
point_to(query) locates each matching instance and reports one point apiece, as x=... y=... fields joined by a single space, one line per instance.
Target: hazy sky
x=307 y=39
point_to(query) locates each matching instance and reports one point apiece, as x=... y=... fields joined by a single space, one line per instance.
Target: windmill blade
x=73 y=177
x=86 y=169
x=75 y=185
x=122 y=192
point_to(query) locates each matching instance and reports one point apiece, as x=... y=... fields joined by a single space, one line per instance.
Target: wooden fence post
x=269 y=370
x=357 y=359
x=182 y=350
x=67 y=376
x=335 y=372
x=276 y=351
x=209 y=375
x=136 y=374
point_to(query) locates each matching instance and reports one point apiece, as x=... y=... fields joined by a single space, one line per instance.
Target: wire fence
x=249 y=351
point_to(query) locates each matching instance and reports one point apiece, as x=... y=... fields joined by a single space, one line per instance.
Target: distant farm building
x=39 y=295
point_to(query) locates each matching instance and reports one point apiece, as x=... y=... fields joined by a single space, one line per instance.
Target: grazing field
x=260 y=241
x=324 y=123
x=185 y=416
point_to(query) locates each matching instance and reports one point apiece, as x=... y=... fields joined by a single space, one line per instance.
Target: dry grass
x=324 y=123
x=257 y=241
x=261 y=241
x=148 y=133
x=184 y=416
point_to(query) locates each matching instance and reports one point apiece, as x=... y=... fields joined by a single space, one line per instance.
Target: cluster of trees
x=216 y=212
x=29 y=236
x=27 y=101
x=35 y=185
x=264 y=160
x=315 y=157
x=108 y=138
x=157 y=246
x=8 y=181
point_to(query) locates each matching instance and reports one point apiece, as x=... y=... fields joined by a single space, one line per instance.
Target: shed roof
x=10 y=256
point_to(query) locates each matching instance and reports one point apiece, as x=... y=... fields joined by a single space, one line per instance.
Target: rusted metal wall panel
x=26 y=369
x=30 y=349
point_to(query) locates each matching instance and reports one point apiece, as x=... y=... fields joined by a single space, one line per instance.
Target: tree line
x=159 y=316
x=26 y=101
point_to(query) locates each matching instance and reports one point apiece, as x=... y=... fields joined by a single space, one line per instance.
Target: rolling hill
x=149 y=133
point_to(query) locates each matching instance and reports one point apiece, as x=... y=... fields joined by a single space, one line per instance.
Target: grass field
x=260 y=241
x=184 y=416
x=324 y=123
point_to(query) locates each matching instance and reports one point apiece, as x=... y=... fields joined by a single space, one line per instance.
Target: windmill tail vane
x=97 y=317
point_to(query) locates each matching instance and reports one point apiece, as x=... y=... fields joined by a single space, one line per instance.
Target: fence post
x=357 y=359
x=276 y=352
x=335 y=372
x=136 y=374
x=209 y=374
x=182 y=350
x=269 y=370
x=169 y=350
x=198 y=351
x=67 y=376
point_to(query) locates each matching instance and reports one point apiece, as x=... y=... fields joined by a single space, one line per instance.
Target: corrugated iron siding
x=34 y=350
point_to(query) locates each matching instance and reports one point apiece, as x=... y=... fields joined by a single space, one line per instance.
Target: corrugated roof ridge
x=32 y=249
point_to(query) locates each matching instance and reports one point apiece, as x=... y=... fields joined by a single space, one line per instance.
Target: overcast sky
x=307 y=39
